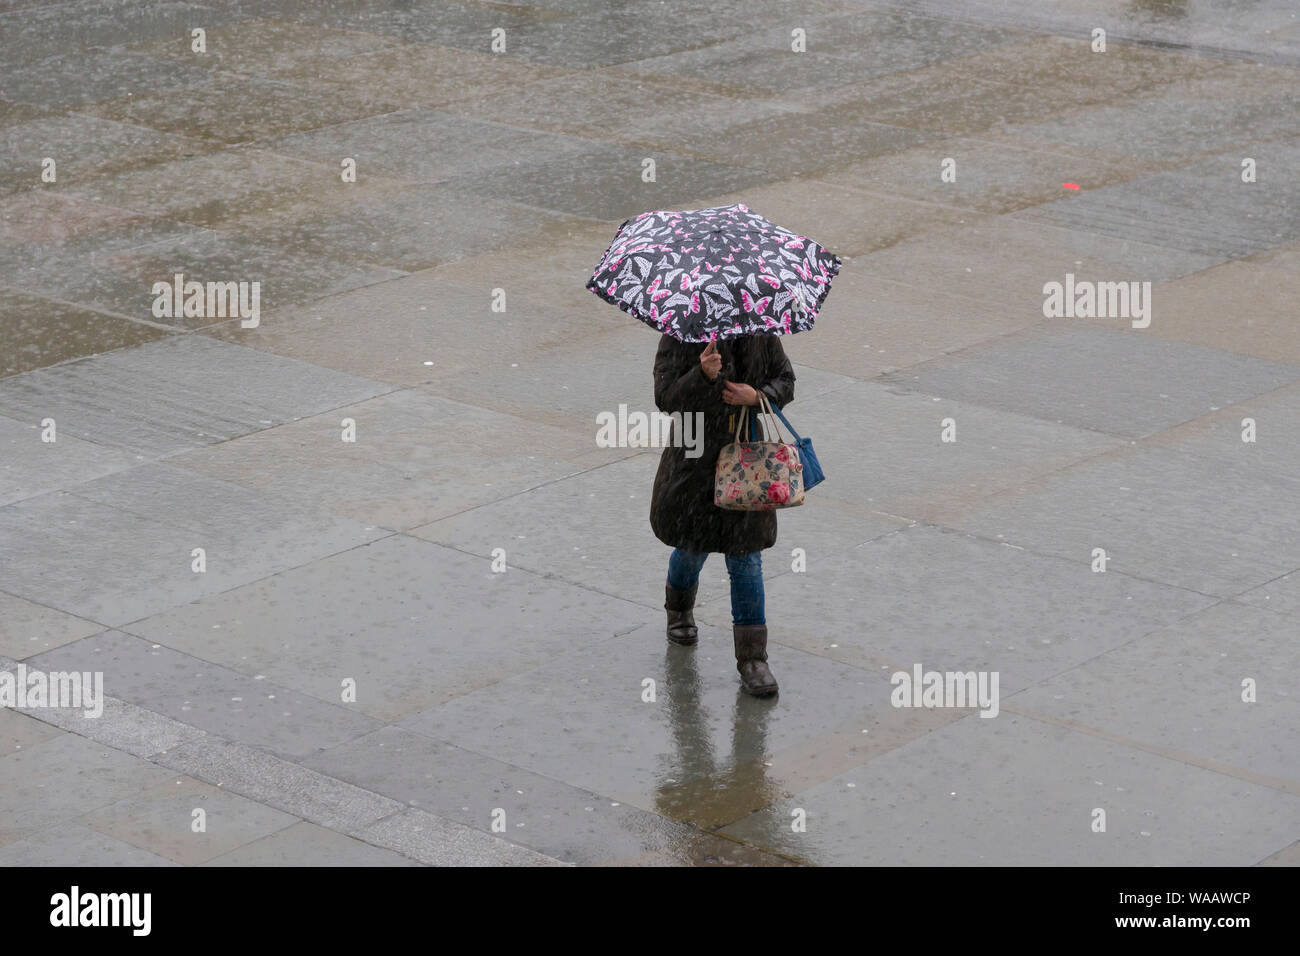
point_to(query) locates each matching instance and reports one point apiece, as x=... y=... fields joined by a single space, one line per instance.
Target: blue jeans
x=745 y=570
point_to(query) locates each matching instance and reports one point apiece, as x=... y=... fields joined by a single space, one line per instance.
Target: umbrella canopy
x=699 y=274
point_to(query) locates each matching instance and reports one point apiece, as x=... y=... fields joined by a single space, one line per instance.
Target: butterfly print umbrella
x=697 y=274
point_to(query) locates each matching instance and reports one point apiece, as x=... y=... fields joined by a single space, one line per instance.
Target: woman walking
x=718 y=380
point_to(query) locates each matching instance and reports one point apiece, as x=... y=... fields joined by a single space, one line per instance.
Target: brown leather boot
x=751 y=659
x=681 y=621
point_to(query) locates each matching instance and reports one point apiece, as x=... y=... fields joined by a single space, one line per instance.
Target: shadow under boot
x=680 y=605
x=751 y=659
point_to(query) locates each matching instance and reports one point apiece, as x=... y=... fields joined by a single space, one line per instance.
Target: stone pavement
x=498 y=717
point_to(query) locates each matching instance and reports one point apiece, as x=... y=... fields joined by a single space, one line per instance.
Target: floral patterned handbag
x=758 y=475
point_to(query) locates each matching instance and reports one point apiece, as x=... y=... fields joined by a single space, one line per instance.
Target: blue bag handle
x=784 y=421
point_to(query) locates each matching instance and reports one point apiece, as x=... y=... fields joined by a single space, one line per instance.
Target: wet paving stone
x=862 y=606
x=423 y=74
x=700 y=726
x=1206 y=657
x=532 y=530
x=423 y=145
x=36 y=332
x=408 y=228
x=82 y=147
x=98 y=557
x=990 y=779
x=439 y=623
x=160 y=821
x=208 y=696
x=175 y=394
x=484 y=570
x=388 y=477
x=605 y=182
x=1169 y=383
x=1204 y=208
x=1135 y=506
x=240 y=109
x=208 y=189
x=554 y=818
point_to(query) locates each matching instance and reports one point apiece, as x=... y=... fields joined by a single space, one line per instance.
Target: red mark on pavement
x=1070 y=185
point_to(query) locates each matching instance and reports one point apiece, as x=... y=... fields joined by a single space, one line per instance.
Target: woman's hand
x=711 y=362
x=738 y=393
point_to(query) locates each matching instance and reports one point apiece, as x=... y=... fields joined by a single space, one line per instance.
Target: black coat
x=682 y=512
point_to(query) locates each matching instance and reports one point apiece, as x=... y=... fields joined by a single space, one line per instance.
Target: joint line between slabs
x=1280 y=784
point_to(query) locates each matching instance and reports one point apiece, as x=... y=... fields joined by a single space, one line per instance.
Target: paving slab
x=71 y=844
x=1231 y=31
x=881 y=448
x=27 y=628
x=71 y=78
x=44 y=234
x=36 y=332
x=240 y=108
x=1282 y=594
x=842 y=48
x=408 y=228
x=1006 y=261
x=306 y=844
x=177 y=393
x=391 y=477
x=101 y=560
x=212 y=187
x=553 y=269
x=848 y=222
x=208 y=696
x=422 y=74
x=161 y=820
x=986 y=176
x=389 y=331
x=1209 y=524
x=82 y=147
x=1019 y=792
x=19 y=731
x=456 y=790
x=1151 y=385
x=938 y=99
x=1221 y=110
x=778 y=139
x=1240 y=307
x=954 y=602
x=539 y=535
x=454 y=22
x=605 y=182
x=64 y=777
x=1290 y=856
x=32 y=467
x=265 y=47
x=437 y=842
x=122 y=282
x=628 y=109
x=1204 y=208
x=1064 y=67
x=122 y=725
x=277 y=783
x=870 y=326
x=1179 y=691
x=575 y=37
x=42 y=30
x=417 y=625
x=423 y=145
x=1275 y=451
x=552 y=719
